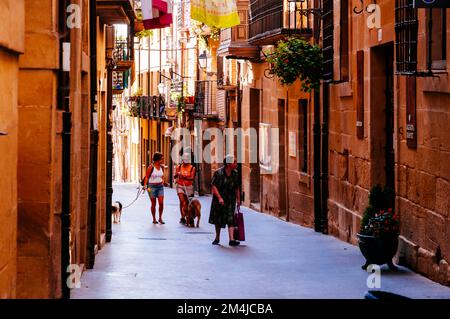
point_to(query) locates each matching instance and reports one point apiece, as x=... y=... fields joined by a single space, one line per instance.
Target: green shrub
x=294 y=59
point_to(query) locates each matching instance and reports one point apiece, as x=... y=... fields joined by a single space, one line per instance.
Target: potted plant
x=294 y=59
x=378 y=237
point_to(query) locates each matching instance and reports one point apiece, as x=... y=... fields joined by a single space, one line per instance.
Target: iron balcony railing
x=122 y=51
x=205 y=99
x=269 y=18
x=147 y=106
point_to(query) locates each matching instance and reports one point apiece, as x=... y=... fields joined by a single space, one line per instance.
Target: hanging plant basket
x=138 y=26
x=294 y=59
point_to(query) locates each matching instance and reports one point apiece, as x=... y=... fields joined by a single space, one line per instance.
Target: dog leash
x=139 y=193
x=186 y=193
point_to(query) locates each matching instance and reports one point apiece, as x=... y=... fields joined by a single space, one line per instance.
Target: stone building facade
x=396 y=136
x=47 y=134
x=382 y=127
x=280 y=115
x=12 y=38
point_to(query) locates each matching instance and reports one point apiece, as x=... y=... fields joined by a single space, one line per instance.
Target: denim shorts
x=155 y=191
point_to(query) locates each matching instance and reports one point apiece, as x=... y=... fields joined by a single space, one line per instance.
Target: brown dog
x=193 y=210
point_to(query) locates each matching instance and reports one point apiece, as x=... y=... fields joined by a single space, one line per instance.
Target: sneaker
x=234 y=243
x=182 y=220
x=215 y=242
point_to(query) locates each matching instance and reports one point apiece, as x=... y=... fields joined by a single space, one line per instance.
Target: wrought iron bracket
x=111 y=64
x=311 y=11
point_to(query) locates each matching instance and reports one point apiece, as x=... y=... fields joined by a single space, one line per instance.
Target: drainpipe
x=93 y=159
x=286 y=157
x=316 y=134
x=158 y=119
x=149 y=101
x=66 y=146
x=109 y=155
x=239 y=122
x=65 y=216
x=316 y=177
x=324 y=174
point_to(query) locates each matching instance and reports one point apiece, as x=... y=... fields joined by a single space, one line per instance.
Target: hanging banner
x=432 y=3
x=157 y=14
x=215 y=13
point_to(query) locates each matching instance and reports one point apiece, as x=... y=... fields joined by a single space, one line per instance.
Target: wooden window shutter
x=360 y=94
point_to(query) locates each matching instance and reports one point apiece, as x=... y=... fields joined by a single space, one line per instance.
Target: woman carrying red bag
x=226 y=189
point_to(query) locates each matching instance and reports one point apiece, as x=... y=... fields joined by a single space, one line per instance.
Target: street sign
x=432 y=3
x=177 y=86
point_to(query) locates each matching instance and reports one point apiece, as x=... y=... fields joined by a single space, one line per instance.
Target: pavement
x=278 y=260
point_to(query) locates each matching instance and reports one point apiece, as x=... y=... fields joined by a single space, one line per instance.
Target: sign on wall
x=411 y=122
x=292 y=144
x=432 y=3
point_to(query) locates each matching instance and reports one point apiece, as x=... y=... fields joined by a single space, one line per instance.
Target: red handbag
x=239 y=230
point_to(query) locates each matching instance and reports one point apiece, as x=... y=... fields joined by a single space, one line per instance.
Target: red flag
x=157 y=14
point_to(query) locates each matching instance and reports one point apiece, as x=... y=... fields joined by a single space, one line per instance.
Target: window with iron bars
x=406 y=29
x=328 y=41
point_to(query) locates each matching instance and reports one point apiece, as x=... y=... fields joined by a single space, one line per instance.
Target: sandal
x=155 y=222
x=161 y=222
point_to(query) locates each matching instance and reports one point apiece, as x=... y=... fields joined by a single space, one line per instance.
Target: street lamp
x=161 y=88
x=204 y=60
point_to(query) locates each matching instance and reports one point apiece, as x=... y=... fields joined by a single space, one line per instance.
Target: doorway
x=382 y=115
x=255 y=174
x=282 y=202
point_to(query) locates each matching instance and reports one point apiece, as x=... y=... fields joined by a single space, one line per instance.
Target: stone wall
x=421 y=175
x=11 y=45
x=39 y=162
x=289 y=184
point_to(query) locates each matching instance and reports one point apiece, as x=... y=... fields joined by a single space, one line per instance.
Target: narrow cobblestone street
x=278 y=260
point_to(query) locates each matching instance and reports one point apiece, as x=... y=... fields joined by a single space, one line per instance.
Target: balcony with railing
x=116 y=11
x=205 y=100
x=119 y=82
x=123 y=55
x=147 y=107
x=234 y=41
x=272 y=20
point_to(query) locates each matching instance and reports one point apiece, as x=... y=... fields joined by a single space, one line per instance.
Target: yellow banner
x=215 y=13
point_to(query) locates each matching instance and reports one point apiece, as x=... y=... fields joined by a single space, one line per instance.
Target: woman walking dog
x=154 y=180
x=184 y=177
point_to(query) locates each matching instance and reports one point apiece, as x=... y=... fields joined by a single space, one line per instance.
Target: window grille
x=406 y=28
x=328 y=31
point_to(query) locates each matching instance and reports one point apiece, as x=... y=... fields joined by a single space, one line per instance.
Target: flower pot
x=378 y=250
x=138 y=26
x=171 y=112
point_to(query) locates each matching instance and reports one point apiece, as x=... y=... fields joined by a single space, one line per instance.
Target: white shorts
x=189 y=190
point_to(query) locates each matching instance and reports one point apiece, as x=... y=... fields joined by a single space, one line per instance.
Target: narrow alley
x=278 y=260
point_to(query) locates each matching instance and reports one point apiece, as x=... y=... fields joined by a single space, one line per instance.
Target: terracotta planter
x=378 y=250
x=138 y=26
x=171 y=112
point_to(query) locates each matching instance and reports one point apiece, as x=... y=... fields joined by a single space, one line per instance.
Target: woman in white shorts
x=185 y=176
